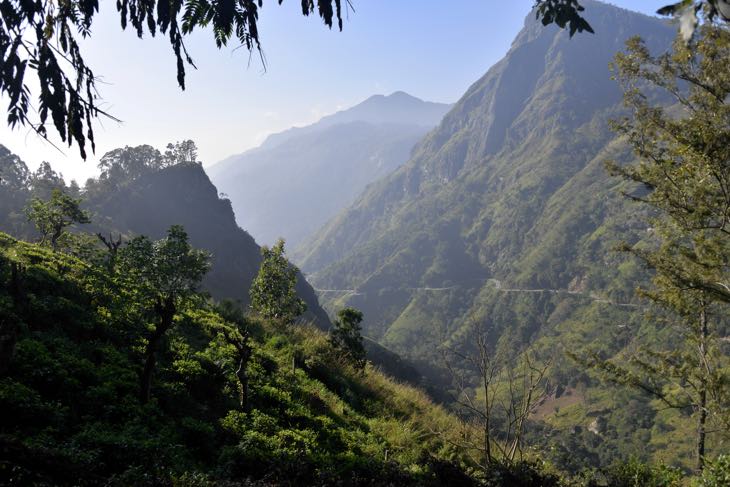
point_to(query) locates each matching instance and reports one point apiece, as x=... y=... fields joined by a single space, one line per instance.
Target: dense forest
x=529 y=287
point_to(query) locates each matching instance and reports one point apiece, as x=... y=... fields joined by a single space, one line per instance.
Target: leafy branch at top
x=43 y=37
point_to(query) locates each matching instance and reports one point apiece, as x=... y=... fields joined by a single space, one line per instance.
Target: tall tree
x=14 y=178
x=14 y=174
x=346 y=337
x=44 y=180
x=683 y=152
x=273 y=293
x=235 y=333
x=168 y=273
x=52 y=217
x=122 y=165
x=182 y=152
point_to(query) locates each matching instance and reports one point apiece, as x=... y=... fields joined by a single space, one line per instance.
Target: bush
x=716 y=473
x=634 y=473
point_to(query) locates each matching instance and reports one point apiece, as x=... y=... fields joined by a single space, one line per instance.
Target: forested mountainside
x=137 y=196
x=72 y=352
x=505 y=219
x=298 y=179
x=548 y=270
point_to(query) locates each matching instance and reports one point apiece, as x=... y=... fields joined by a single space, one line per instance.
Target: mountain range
x=504 y=220
x=298 y=179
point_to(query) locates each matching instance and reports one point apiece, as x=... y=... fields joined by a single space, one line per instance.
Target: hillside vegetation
x=143 y=191
x=72 y=414
x=506 y=221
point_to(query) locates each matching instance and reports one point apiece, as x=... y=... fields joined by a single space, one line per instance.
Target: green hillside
x=71 y=414
x=139 y=195
x=506 y=220
x=506 y=201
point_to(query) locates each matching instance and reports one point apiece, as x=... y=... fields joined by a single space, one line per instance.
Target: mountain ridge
x=297 y=180
x=509 y=188
x=368 y=110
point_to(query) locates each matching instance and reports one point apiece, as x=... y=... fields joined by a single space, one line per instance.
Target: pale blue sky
x=433 y=49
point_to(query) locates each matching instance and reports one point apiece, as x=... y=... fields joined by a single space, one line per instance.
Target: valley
x=525 y=287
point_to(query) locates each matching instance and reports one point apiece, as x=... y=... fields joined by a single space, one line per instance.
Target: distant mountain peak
x=398 y=108
x=399 y=97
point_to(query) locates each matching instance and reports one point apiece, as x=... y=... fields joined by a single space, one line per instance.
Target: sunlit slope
x=504 y=213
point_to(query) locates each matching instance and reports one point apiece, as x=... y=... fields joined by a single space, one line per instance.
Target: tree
x=127 y=164
x=235 y=333
x=14 y=177
x=44 y=180
x=183 y=152
x=167 y=272
x=273 y=293
x=499 y=405
x=14 y=174
x=52 y=217
x=42 y=37
x=112 y=246
x=346 y=337
x=683 y=171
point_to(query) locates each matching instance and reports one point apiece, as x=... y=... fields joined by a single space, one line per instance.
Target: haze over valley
x=525 y=287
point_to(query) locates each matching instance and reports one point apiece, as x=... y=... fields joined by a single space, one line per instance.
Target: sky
x=432 y=49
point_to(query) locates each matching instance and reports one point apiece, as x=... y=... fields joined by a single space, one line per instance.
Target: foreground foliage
x=76 y=341
x=73 y=413
x=683 y=170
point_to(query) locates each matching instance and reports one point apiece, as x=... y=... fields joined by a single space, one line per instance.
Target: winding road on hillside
x=498 y=286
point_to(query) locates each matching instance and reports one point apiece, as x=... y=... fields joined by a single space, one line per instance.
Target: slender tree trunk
x=242 y=376
x=702 y=406
x=54 y=239
x=487 y=410
x=165 y=311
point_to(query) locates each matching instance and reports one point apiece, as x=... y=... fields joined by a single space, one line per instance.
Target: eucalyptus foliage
x=273 y=294
x=683 y=170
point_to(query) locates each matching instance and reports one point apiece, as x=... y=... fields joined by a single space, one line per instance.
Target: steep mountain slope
x=509 y=187
x=505 y=219
x=183 y=195
x=299 y=179
x=148 y=205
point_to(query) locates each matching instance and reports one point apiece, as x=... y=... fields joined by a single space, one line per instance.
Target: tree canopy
x=52 y=217
x=167 y=269
x=346 y=337
x=273 y=293
x=167 y=272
